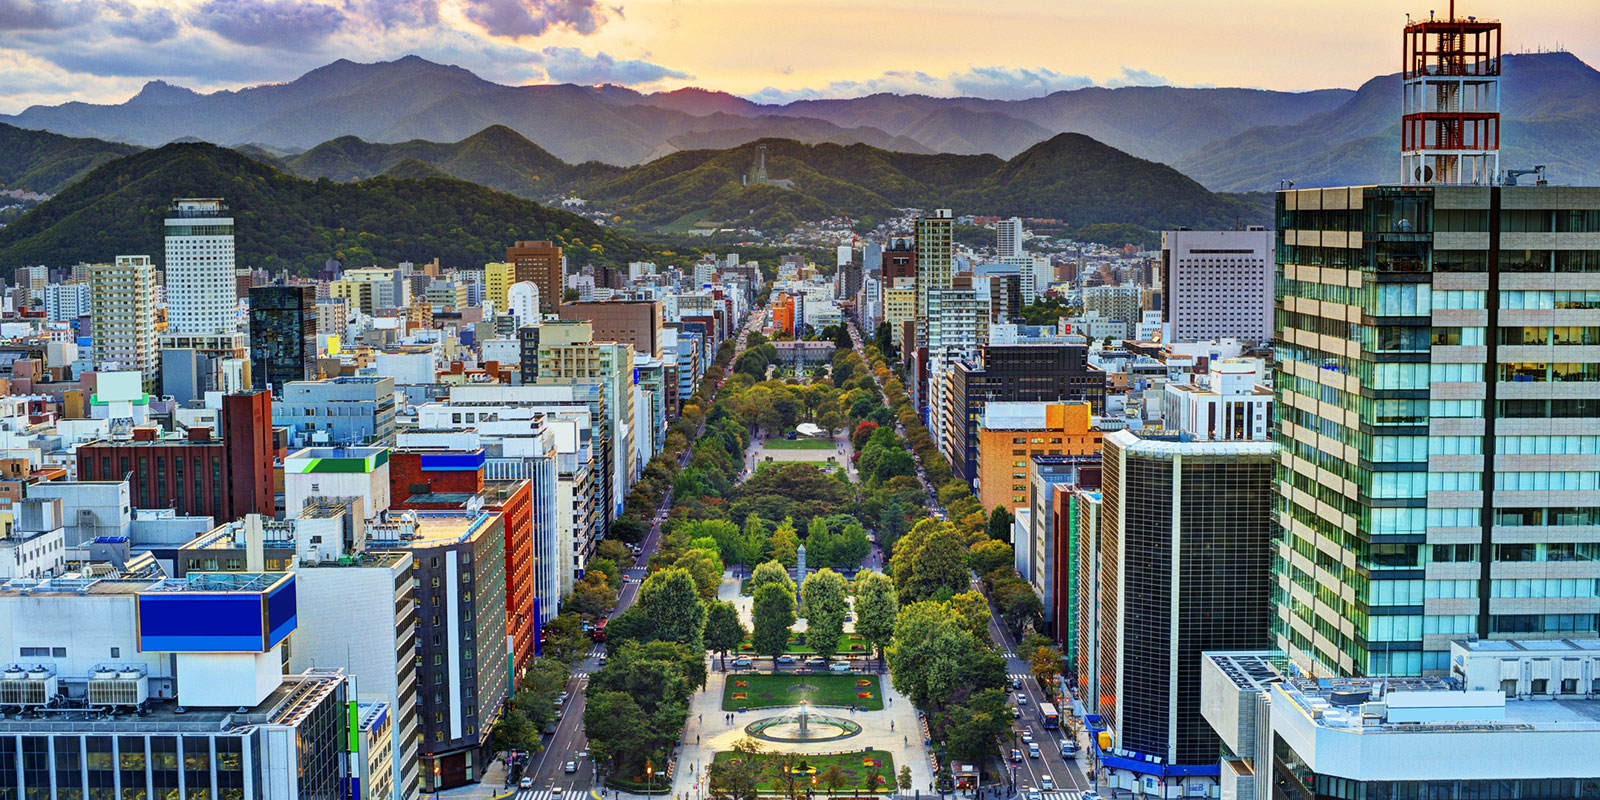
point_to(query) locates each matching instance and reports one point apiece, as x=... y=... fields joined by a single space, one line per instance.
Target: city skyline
x=1021 y=49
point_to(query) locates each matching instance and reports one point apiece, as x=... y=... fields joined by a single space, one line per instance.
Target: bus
x=599 y=632
x=1052 y=720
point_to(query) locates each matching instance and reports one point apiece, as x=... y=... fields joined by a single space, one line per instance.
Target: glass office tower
x=1437 y=421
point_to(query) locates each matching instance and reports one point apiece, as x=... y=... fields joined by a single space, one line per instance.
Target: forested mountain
x=43 y=162
x=283 y=221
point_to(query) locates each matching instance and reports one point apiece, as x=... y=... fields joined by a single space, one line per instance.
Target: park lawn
x=852 y=764
x=851 y=645
x=800 y=444
x=761 y=690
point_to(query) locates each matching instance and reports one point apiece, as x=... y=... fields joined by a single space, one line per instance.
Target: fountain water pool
x=802 y=726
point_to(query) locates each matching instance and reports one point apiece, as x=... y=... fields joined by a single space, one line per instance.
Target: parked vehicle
x=742 y=662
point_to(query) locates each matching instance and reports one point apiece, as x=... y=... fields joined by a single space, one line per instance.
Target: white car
x=1034 y=794
x=1047 y=783
x=1027 y=735
x=525 y=783
x=572 y=766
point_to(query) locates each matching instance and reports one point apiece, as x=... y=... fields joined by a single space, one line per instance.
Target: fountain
x=802 y=726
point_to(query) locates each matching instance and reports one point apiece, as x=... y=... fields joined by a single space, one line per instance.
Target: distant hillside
x=1550 y=104
x=287 y=222
x=1070 y=177
x=43 y=162
x=496 y=157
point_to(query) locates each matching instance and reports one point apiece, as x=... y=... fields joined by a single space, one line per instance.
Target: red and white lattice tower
x=1450 y=107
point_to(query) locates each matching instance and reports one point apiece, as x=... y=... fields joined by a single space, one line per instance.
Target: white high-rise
x=1008 y=237
x=123 y=325
x=201 y=292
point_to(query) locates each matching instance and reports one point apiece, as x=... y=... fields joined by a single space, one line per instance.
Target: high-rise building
x=935 y=262
x=1036 y=373
x=461 y=635
x=498 y=276
x=1435 y=463
x=199 y=474
x=543 y=264
x=123 y=303
x=283 y=336
x=1008 y=238
x=202 y=295
x=1185 y=552
x=190 y=675
x=899 y=260
x=632 y=322
x=66 y=302
x=1218 y=284
x=1011 y=434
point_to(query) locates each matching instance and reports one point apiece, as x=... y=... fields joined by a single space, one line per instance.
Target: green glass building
x=1437 y=421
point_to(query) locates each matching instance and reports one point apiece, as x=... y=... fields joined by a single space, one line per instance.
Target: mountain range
x=287 y=222
x=1070 y=177
x=1228 y=139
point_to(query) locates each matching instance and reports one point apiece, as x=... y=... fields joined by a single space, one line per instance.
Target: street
x=1067 y=774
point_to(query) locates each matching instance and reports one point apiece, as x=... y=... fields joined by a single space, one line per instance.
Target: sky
x=103 y=51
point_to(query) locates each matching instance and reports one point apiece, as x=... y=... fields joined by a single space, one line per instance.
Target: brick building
x=198 y=474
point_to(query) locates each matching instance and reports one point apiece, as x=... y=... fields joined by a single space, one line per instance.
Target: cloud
x=518 y=18
x=282 y=24
x=394 y=14
x=1006 y=83
x=39 y=15
x=1138 y=77
x=989 y=82
x=154 y=25
x=571 y=65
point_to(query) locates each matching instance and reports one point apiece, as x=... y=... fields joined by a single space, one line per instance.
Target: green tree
x=770 y=572
x=876 y=607
x=931 y=558
x=826 y=607
x=739 y=777
x=515 y=732
x=990 y=555
x=973 y=610
x=706 y=569
x=1000 y=524
x=629 y=530
x=771 y=616
x=931 y=656
x=671 y=602
x=973 y=731
x=608 y=568
x=833 y=779
x=1045 y=664
x=724 y=630
x=905 y=777
x=785 y=544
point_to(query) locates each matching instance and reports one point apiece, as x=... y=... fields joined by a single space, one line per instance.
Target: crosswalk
x=1018 y=676
x=1063 y=795
x=1009 y=654
x=546 y=794
x=597 y=651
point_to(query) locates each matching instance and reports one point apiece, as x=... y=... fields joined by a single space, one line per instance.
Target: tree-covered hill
x=44 y=162
x=282 y=221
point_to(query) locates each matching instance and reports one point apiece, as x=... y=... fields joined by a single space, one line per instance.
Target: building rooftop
x=1371 y=706
x=285 y=705
x=427 y=528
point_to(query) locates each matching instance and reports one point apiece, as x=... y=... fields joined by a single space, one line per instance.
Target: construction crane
x=1512 y=174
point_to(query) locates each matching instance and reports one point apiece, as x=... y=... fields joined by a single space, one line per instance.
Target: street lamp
x=649 y=773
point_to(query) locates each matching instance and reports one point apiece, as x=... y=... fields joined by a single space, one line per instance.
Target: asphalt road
x=1067 y=774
